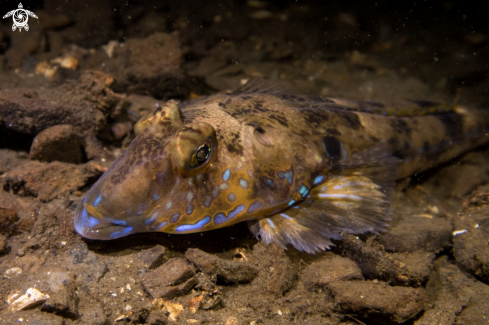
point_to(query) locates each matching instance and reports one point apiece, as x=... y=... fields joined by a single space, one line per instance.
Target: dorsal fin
x=258 y=85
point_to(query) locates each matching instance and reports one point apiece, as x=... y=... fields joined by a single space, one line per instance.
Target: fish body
x=299 y=169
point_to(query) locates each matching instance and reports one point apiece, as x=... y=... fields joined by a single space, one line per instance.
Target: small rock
x=228 y=271
x=31 y=298
x=90 y=310
x=471 y=244
x=8 y=216
x=231 y=320
x=174 y=309
x=415 y=233
x=398 y=268
x=377 y=300
x=3 y=245
x=278 y=273
x=57 y=143
x=149 y=66
x=61 y=291
x=46 y=181
x=85 y=264
x=152 y=257
x=172 y=279
x=455 y=297
x=336 y=268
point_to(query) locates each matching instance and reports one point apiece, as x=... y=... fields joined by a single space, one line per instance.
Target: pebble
x=61 y=291
x=226 y=270
x=471 y=247
x=399 y=268
x=31 y=298
x=57 y=143
x=378 y=301
x=152 y=257
x=280 y=273
x=335 y=268
x=416 y=233
x=174 y=278
x=46 y=181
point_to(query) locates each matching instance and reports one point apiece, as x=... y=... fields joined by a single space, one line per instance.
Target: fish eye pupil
x=203 y=153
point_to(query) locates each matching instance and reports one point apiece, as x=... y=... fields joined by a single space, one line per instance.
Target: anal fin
x=351 y=204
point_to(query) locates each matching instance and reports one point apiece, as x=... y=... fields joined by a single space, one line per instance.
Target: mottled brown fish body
x=301 y=169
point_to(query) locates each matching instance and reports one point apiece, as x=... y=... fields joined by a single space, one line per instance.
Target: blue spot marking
x=159 y=225
x=225 y=175
x=270 y=222
x=121 y=233
x=97 y=200
x=220 y=217
x=269 y=182
x=240 y=208
x=168 y=205
x=243 y=183
x=318 y=180
x=303 y=190
x=406 y=160
x=174 y=217
x=117 y=222
x=156 y=196
x=286 y=216
x=151 y=219
x=291 y=202
x=190 y=209
x=207 y=201
x=224 y=186
x=255 y=206
x=92 y=222
x=198 y=177
x=289 y=175
x=231 y=197
x=199 y=224
x=190 y=196
x=84 y=215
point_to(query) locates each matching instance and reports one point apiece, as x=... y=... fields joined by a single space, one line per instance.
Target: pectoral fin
x=352 y=204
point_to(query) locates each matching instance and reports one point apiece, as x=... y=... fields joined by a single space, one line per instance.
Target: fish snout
x=92 y=225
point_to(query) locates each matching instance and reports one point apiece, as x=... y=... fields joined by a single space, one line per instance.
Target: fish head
x=174 y=177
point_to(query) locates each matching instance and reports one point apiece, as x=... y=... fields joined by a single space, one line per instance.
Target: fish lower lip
x=91 y=227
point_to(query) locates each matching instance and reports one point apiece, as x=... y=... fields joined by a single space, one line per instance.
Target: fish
x=299 y=169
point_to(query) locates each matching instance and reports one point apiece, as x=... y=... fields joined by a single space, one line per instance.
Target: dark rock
x=62 y=300
x=46 y=181
x=225 y=270
x=375 y=263
x=174 y=278
x=87 y=266
x=60 y=143
x=10 y=159
x=470 y=244
x=277 y=274
x=3 y=244
x=8 y=216
x=152 y=257
x=336 y=268
x=90 y=310
x=415 y=233
x=150 y=66
x=83 y=103
x=460 y=179
x=455 y=298
x=378 y=301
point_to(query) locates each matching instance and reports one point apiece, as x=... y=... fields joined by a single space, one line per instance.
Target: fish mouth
x=90 y=226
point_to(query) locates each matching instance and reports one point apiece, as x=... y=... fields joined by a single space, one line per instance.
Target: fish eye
x=200 y=155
